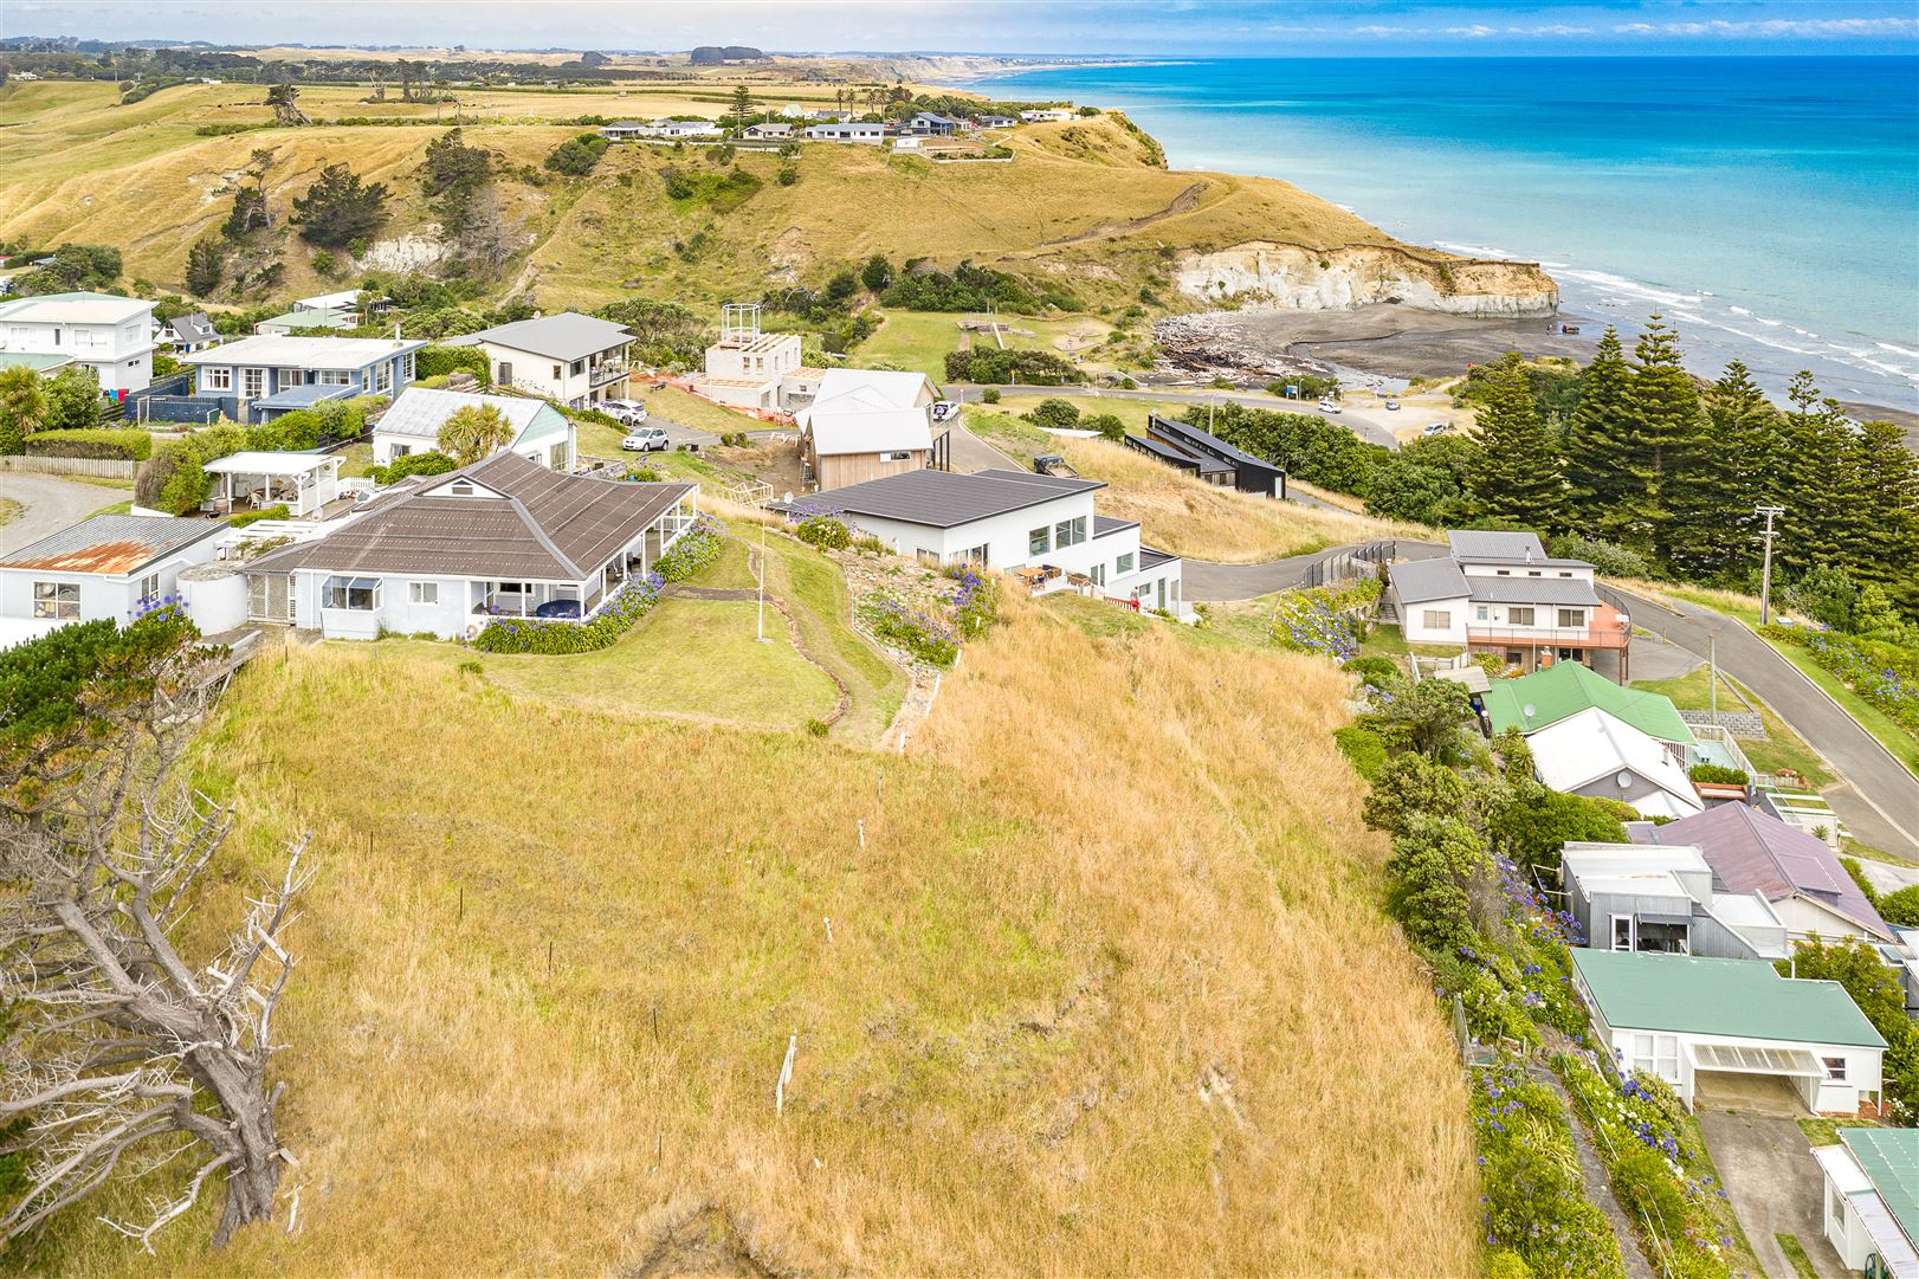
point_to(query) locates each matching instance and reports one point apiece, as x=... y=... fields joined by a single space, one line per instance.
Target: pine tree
x=1521 y=475
x=1713 y=515
x=1890 y=554
x=1666 y=419
x=1599 y=443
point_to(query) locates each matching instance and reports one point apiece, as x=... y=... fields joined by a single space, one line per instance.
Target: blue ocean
x=1768 y=206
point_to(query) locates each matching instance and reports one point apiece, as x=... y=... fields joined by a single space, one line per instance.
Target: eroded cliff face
x=1265 y=276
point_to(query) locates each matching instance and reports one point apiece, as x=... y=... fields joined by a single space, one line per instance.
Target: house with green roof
x=1532 y=702
x=1872 y=1200
x=1699 y=1024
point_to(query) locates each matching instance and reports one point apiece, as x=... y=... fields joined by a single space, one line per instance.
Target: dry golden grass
x=1107 y=989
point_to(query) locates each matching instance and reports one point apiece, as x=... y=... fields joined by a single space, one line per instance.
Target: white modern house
x=665 y=128
x=1693 y=1021
x=111 y=335
x=265 y=376
x=868 y=133
x=573 y=358
x=1665 y=900
x=411 y=424
x=1046 y=115
x=1594 y=754
x=864 y=424
x=1501 y=593
x=447 y=554
x=1010 y=520
x=108 y=566
x=1871 y=1214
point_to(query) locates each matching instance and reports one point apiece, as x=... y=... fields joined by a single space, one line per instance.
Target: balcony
x=606 y=371
x=1608 y=629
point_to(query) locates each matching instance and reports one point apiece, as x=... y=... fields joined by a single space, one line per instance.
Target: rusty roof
x=522 y=521
x=111 y=545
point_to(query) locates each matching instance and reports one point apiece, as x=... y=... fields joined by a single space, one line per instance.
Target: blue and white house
x=541 y=433
x=269 y=375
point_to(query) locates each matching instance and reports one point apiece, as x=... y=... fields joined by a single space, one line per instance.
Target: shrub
x=826 y=532
x=975 y=600
x=1609 y=558
x=1378 y=672
x=577 y=156
x=434 y=361
x=698 y=547
x=1058 y=414
x=521 y=635
x=338 y=210
x=278 y=511
x=105 y=442
x=1885 y=674
x=989 y=365
x=990 y=395
x=1363 y=748
x=818 y=727
x=1718 y=773
x=788 y=175
x=73 y=399
x=429 y=463
x=1325 y=619
x=1901 y=907
x=925 y=638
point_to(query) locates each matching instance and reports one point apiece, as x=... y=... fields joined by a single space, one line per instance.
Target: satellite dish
x=1624 y=779
x=1529 y=710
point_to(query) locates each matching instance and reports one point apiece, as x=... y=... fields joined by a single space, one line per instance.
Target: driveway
x=1877 y=796
x=971 y=453
x=1205 y=581
x=1774 y=1184
x=50 y=503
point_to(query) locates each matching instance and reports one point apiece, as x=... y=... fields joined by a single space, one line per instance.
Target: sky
x=1341 y=28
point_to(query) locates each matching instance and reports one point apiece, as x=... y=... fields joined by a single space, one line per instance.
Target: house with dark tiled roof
x=444 y=554
x=109 y=566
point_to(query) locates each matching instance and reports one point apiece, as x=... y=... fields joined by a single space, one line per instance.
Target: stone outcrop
x=1266 y=276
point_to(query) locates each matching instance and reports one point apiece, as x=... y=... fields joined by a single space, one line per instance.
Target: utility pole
x=1765 y=578
x=1712 y=662
x=762 y=635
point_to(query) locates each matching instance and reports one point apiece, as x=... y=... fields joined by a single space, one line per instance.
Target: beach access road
x=1373 y=425
x=1877 y=796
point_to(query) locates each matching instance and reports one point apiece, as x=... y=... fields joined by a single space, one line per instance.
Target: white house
x=1046 y=115
x=445 y=554
x=1871 y=1215
x=1501 y=593
x=1010 y=520
x=191 y=332
x=869 y=133
x=250 y=480
x=573 y=358
x=1691 y=1021
x=111 y=335
x=866 y=423
x=1593 y=754
x=768 y=132
x=541 y=433
x=108 y=566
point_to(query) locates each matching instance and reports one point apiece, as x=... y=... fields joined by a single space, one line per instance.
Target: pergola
x=304 y=481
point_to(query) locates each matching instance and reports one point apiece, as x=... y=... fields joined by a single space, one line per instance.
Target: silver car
x=647 y=439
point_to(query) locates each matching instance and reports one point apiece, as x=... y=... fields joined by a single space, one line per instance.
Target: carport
x=1748 y=1077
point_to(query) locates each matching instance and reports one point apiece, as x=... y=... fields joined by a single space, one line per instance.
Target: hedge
x=123 y=444
x=278 y=511
x=523 y=635
x=437 y=361
x=697 y=547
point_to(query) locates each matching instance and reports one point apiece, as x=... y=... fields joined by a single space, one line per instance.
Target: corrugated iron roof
x=112 y=545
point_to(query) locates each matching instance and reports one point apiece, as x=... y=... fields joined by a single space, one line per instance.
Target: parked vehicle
x=1392 y=406
x=647 y=439
x=944 y=409
x=626 y=412
x=1437 y=428
x=558 y=608
x=1330 y=406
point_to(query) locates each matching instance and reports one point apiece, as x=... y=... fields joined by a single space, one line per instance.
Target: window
x=406 y=367
x=1038 y=542
x=1479 y=612
x=333 y=377
x=383 y=376
x=216 y=379
x=1656 y=1055
x=900 y=455
x=1124 y=564
x=360 y=594
x=1664 y=939
x=149 y=587
x=1622 y=932
x=423 y=592
x=253 y=382
x=1500 y=572
x=1572 y=619
x=929 y=558
x=558 y=372
x=1519 y=616
x=579 y=367
x=401 y=450
x=1098 y=573
x=1070 y=532
x=1835 y=1068
x=59 y=600
x=1565 y=572
x=1436 y=619
x=1534 y=573
x=461 y=488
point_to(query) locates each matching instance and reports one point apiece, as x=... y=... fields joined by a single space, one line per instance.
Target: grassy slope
x=78 y=167
x=1069 y=1020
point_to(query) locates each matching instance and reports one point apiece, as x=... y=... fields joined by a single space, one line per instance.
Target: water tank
x=215 y=596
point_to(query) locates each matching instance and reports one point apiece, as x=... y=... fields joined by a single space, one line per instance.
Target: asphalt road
x=50 y=503
x=1877 y=797
x=971 y=453
x=1372 y=425
x=1205 y=581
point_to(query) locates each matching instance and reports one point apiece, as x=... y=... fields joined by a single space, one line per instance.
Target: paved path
x=1774 y=1184
x=1372 y=425
x=1203 y=580
x=51 y=504
x=971 y=453
x=1877 y=796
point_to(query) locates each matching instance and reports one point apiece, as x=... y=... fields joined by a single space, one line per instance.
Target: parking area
x=1771 y=1178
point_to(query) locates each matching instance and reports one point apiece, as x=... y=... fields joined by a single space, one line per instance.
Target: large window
x=1039 y=541
x=1436 y=619
x=1835 y=1068
x=1572 y=619
x=216 y=379
x=57 y=600
x=383 y=376
x=1656 y=1055
x=1069 y=532
x=361 y=594
x=1124 y=564
x=406 y=368
x=1519 y=617
x=333 y=377
x=150 y=588
x=253 y=382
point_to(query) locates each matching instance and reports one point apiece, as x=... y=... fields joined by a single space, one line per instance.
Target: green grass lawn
x=114 y=508
x=823 y=608
x=730 y=570
x=920 y=340
x=1782 y=751
x=1825 y=1132
x=359 y=461
x=1796 y=1254
x=1388 y=641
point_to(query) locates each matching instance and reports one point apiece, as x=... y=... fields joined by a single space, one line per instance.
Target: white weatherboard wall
x=1418 y=629
x=115 y=598
x=1664 y=1053
x=449 y=618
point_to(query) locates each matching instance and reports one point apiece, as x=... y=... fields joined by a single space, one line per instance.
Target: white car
x=1330 y=406
x=626 y=412
x=1392 y=406
x=648 y=439
x=944 y=409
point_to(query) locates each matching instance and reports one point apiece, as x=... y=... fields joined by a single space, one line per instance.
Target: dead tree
x=123 y=1056
x=285 y=101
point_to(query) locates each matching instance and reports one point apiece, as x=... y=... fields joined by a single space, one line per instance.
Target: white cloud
x=1478 y=31
x=1777 y=28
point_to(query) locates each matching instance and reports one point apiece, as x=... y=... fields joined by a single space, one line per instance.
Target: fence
x=111 y=468
x=196 y=409
x=1361 y=561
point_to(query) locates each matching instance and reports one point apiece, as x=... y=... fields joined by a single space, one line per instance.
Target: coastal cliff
x=1262 y=275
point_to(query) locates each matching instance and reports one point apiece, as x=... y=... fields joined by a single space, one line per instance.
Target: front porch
x=582 y=601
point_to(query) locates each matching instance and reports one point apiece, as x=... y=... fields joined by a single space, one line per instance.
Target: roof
x=315 y=318
x=1424 y=581
x=1170 y=452
x=1754 y=852
x=75 y=308
x=532 y=524
x=895 y=389
x=194 y=327
x=1568 y=591
x=1890 y=1159
x=279 y=351
x=1187 y=433
x=304 y=395
x=1106 y=525
x=1535 y=701
x=1590 y=746
x=347 y=298
x=1469 y=544
x=566 y=336
x=252 y=462
x=838 y=431
x=39 y=363
x=112 y=545
x=946 y=499
x=420 y=410
x=1737 y=998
